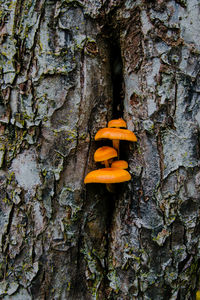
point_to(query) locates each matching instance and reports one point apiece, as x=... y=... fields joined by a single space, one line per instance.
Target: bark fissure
x=82 y=79
x=110 y=212
x=117 y=79
x=175 y=94
x=161 y=155
x=35 y=40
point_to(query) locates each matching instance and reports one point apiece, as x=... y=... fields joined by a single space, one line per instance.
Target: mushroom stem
x=106 y=164
x=110 y=188
x=116 y=146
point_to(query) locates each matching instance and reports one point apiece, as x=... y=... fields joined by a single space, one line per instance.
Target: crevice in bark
x=115 y=65
x=183 y=265
x=35 y=40
x=5 y=243
x=117 y=79
x=111 y=34
x=78 y=263
x=198 y=145
x=161 y=155
x=175 y=94
x=88 y=151
x=4 y=238
x=82 y=80
x=110 y=212
x=19 y=43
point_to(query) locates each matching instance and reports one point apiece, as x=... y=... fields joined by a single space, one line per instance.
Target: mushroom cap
x=119 y=164
x=104 y=153
x=115 y=134
x=117 y=123
x=107 y=175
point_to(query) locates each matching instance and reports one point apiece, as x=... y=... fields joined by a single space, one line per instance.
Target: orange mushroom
x=115 y=134
x=103 y=154
x=119 y=164
x=108 y=176
x=117 y=123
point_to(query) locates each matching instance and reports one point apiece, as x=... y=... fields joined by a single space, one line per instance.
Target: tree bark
x=67 y=68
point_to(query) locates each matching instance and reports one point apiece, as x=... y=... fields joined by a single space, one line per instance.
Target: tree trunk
x=67 y=68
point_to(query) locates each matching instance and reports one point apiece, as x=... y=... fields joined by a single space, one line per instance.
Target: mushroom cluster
x=114 y=171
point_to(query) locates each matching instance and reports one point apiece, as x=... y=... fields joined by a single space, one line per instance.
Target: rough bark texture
x=67 y=67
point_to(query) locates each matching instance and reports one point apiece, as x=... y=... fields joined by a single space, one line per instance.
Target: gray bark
x=67 y=68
